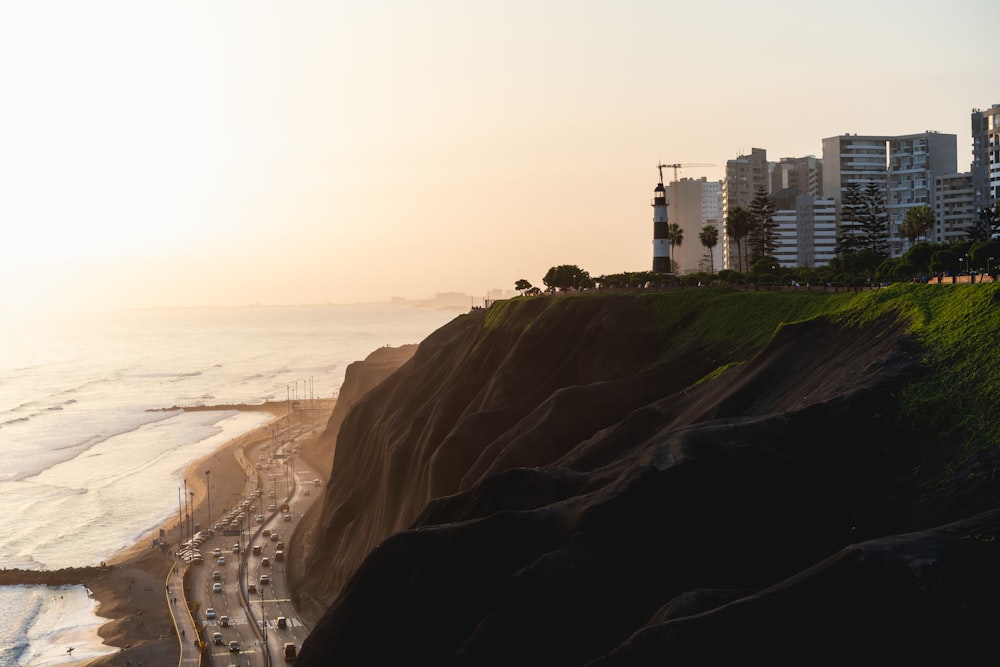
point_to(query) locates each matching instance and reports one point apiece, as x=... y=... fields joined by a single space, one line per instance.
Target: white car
x=210 y=613
x=216 y=587
x=222 y=560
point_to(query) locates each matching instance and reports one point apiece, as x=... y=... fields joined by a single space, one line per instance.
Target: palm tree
x=739 y=222
x=918 y=221
x=709 y=237
x=675 y=236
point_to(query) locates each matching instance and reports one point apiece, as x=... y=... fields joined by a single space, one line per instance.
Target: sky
x=162 y=154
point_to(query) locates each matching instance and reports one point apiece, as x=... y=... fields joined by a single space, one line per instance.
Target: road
x=243 y=608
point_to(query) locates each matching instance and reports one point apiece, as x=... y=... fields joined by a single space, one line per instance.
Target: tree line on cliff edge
x=862 y=252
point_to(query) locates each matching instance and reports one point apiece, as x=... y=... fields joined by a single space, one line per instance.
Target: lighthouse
x=661 y=244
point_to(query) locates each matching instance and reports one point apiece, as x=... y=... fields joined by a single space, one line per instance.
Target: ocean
x=93 y=454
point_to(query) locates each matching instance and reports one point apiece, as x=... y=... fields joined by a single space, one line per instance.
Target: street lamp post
x=208 y=483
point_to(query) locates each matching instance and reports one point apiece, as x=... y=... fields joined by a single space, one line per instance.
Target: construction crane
x=678 y=166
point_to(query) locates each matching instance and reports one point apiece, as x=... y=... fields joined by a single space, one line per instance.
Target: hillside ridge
x=562 y=481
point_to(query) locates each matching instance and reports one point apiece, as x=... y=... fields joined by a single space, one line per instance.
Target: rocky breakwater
x=692 y=478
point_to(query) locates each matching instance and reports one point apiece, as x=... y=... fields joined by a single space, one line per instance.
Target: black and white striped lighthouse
x=661 y=244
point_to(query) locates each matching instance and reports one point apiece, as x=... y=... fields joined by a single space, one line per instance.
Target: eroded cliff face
x=582 y=481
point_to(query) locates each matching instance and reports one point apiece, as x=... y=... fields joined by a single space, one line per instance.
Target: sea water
x=94 y=443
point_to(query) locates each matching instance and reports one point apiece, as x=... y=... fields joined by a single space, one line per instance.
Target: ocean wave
x=20 y=606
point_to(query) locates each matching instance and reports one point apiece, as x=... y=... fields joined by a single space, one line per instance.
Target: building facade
x=954 y=208
x=744 y=176
x=915 y=161
x=804 y=174
x=807 y=228
x=694 y=203
x=986 y=156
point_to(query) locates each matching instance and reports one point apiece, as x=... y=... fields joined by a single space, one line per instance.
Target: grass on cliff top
x=957 y=327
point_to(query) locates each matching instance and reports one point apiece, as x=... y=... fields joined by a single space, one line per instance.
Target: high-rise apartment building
x=903 y=168
x=711 y=215
x=804 y=174
x=986 y=156
x=806 y=228
x=915 y=160
x=852 y=158
x=744 y=176
x=954 y=208
x=695 y=203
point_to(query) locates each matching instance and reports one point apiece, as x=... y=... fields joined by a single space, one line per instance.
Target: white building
x=902 y=167
x=915 y=160
x=986 y=156
x=806 y=228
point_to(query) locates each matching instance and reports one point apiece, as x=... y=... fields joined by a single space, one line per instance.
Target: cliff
x=697 y=477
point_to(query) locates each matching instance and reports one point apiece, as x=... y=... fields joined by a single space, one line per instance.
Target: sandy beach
x=130 y=587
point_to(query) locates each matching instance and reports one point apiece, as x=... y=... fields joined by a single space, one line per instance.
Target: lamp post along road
x=208 y=484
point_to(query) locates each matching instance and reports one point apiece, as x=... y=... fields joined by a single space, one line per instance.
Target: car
x=217 y=638
x=210 y=613
x=307 y=492
x=265 y=562
x=236 y=548
x=216 y=587
x=271 y=507
x=256 y=550
x=270 y=494
x=287 y=517
x=224 y=621
x=234 y=646
x=275 y=537
x=279 y=555
x=260 y=518
x=264 y=580
x=288 y=650
x=216 y=576
x=216 y=552
x=316 y=482
x=222 y=560
x=266 y=532
x=282 y=623
x=279 y=545
x=251 y=588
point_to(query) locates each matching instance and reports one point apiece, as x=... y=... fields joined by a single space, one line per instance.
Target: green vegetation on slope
x=955 y=325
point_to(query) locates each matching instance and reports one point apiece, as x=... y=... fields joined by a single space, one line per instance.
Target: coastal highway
x=244 y=608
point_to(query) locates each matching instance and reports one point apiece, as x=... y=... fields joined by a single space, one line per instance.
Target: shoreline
x=129 y=586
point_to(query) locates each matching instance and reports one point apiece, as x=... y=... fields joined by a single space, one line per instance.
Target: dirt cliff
x=693 y=478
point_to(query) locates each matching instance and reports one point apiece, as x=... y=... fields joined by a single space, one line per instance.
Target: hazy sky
x=296 y=151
